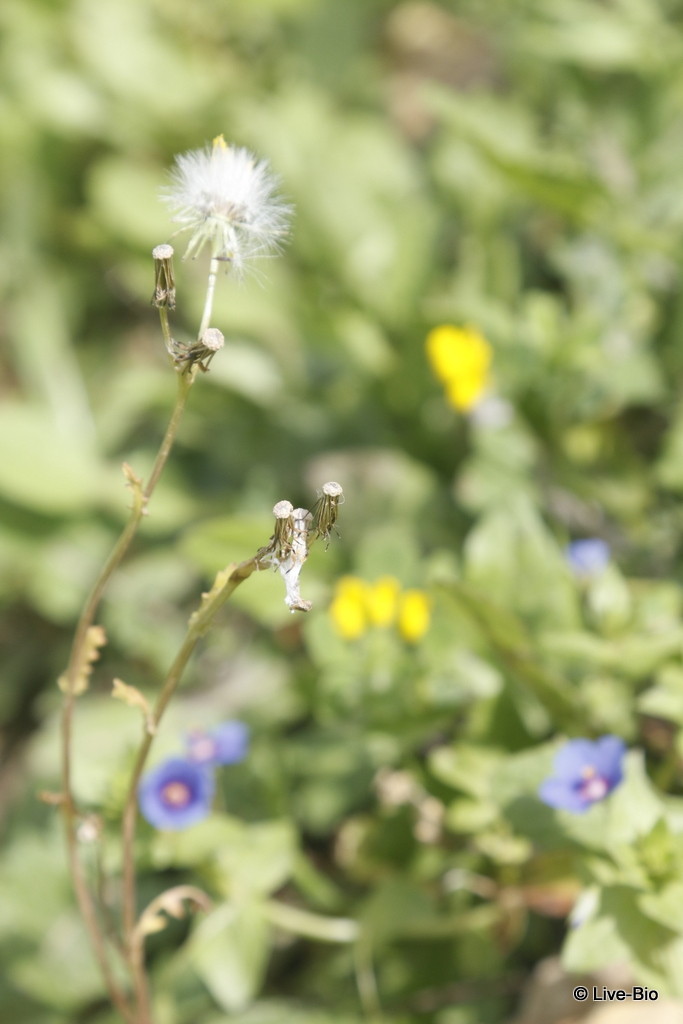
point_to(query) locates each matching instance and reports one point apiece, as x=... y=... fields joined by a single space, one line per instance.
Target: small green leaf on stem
x=46 y=796
x=201 y=618
x=77 y=681
x=135 y=483
x=131 y=696
x=172 y=904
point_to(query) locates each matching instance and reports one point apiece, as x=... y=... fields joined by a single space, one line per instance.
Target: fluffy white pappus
x=228 y=200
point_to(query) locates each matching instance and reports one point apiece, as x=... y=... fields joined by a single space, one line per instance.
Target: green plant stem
x=311 y=926
x=208 y=302
x=165 y=328
x=366 y=982
x=225 y=584
x=185 y=382
x=139 y=508
x=666 y=772
x=89 y=915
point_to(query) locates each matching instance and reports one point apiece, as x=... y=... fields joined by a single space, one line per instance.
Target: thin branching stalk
x=292 y=527
x=366 y=981
x=226 y=583
x=89 y=914
x=185 y=382
x=70 y=685
x=208 y=302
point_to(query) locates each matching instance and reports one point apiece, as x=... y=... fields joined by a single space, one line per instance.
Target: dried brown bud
x=326 y=508
x=164 y=280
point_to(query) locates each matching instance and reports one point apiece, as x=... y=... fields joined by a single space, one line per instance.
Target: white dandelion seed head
x=228 y=200
x=283 y=509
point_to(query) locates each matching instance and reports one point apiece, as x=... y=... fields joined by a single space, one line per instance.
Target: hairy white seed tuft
x=229 y=202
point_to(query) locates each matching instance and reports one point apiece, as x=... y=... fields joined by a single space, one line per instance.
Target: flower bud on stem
x=164 y=279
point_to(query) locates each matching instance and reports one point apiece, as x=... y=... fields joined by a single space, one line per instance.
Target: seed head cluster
x=228 y=200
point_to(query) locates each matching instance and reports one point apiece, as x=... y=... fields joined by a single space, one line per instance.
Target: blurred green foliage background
x=516 y=165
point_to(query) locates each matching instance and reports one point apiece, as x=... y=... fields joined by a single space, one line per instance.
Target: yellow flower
x=357 y=605
x=465 y=391
x=414 y=615
x=348 y=609
x=382 y=600
x=460 y=357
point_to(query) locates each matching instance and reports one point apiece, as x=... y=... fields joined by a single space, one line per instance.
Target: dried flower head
x=164 y=283
x=327 y=508
x=291 y=566
x=228 y=200
x=295 y=530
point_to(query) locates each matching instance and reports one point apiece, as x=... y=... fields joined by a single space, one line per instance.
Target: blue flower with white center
x=176 y=794
x=587 y=557
x=584 y=773
x=228 y=743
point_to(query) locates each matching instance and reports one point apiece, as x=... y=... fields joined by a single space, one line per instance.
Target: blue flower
x=587 y=557
x=585 y=772
x=226 y=744
x=176 y=794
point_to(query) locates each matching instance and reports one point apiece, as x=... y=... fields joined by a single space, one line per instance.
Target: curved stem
x=225 y=584
x=311 y=926
x=70 y=684
x=208 y=302
x=185 y=382
x=366 y=981
x=83 y=896
x=138 y=510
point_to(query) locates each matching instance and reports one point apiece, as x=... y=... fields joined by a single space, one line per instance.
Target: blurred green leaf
x=396 y=907
x=470 y=769
x=64 y=473
x=665 y=698
x=229 y=951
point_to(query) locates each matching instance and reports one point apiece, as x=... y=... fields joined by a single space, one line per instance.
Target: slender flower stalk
x=208 y=302
x=83 y=651
x=225 y=584
x=69 y=682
